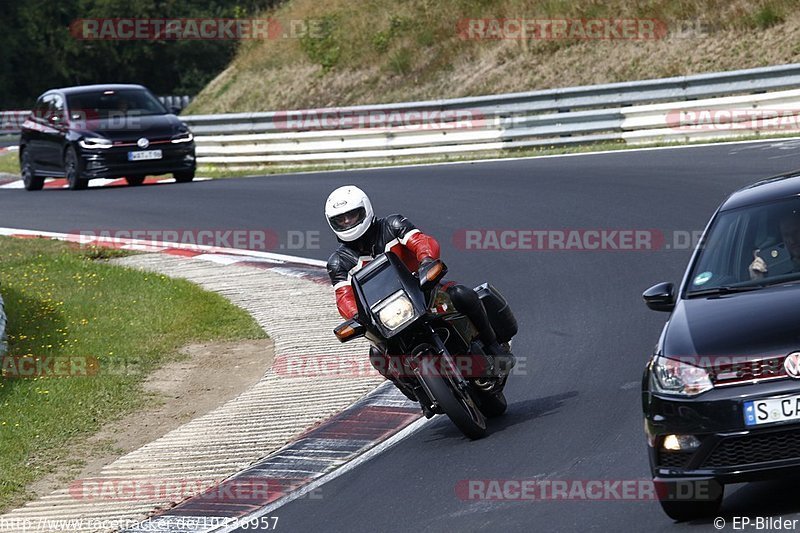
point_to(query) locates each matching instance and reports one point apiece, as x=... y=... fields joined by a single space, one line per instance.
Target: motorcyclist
x=362 y=236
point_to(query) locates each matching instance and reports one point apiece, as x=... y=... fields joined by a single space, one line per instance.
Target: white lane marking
x=280 y=258
x=350 y=465
x=97 y=182
x=621 y=151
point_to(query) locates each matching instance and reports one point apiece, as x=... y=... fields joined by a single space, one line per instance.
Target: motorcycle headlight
x=183 y=137
x=395 y=310
x=95 y=142
x=672 y=376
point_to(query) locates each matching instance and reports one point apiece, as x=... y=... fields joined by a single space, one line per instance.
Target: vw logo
x=792 y=365
x=143 y=142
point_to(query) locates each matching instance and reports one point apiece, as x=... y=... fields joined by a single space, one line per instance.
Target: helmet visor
x=349 y=219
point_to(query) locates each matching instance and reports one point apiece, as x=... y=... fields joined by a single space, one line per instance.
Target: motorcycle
x=432 y=348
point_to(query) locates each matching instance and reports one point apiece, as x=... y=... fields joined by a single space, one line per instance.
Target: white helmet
x=349 y=212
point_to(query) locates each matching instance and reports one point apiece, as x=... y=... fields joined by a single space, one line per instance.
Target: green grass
x=9 y=163
x=62 y=303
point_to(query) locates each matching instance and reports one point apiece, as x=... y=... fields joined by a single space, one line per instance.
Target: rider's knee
x=464 y=298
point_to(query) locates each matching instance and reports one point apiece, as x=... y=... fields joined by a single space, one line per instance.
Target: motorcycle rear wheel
x=493 y=404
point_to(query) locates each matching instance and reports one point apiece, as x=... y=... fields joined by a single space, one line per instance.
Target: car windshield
x=750 y=247
x=103 y=104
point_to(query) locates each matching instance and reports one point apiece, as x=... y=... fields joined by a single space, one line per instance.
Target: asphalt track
x=575 y=414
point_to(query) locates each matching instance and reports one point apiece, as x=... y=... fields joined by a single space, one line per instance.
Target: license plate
x=757 y=412
x=144 y=155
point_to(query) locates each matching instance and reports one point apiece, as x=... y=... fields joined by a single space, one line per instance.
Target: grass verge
x=9 y=163
x=118 y=323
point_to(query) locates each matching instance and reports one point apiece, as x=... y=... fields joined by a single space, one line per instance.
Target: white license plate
x=144 y=155
x=757 y=412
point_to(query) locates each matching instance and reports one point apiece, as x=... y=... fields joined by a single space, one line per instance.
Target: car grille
x=734 y=451
x=747 y=371
x=676 y=459
x=132 y=142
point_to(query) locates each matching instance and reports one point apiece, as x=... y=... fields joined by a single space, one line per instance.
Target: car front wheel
x=184 y=177
x=30 y=180
x=72 y=171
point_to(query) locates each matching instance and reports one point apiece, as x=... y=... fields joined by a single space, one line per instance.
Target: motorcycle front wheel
x=457 y=405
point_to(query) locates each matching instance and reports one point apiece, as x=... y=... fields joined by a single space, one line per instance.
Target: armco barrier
x=636 y=112
x=633 y=112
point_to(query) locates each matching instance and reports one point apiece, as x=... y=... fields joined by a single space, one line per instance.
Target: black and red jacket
x=394 y=233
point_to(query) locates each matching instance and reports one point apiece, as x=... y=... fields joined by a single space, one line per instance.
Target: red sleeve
x=346 y=302
x=423 y=246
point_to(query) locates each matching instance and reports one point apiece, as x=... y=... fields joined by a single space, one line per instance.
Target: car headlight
x=672 y=376
x=95 y=142
x=395 y=310
x=183 y=137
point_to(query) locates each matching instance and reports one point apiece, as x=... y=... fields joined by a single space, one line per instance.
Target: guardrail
x=632 y=112
x=684 y=108
x=179 y=102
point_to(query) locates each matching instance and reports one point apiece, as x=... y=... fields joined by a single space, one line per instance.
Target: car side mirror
x=660 y=297
x=175 y=110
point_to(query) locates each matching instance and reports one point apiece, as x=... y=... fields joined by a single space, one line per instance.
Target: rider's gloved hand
x=423 y=266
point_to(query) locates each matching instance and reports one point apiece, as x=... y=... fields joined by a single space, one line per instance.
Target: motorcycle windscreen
x=379 y=280
x=380 y=284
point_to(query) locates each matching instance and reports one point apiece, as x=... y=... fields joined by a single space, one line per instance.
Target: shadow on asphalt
x=517 y=413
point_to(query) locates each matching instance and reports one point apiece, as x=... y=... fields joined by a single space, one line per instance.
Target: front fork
x=445 y=365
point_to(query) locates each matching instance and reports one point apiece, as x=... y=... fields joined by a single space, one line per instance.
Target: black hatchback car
x=721 y=394
x=103 y=131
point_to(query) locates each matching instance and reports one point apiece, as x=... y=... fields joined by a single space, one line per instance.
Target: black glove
x=423 y=266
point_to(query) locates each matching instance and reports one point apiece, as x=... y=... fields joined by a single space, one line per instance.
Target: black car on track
x=103 y=131
x=721 y=393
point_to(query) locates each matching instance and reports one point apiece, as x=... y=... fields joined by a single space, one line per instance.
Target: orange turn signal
x=434 y=271
x=348 y=330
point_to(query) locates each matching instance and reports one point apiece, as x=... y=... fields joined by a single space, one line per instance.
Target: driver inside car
x=362 y=236
x=789 y=227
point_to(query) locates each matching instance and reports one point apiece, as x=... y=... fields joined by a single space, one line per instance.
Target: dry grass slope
x=385 y=51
